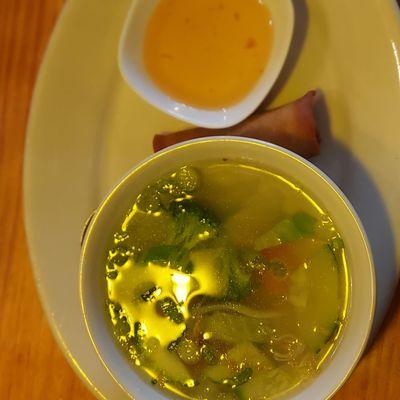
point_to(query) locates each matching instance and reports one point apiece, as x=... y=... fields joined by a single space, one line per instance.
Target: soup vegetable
x=226 y=281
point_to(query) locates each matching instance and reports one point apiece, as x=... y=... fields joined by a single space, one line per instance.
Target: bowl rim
x=223 y=117
x=90 y=223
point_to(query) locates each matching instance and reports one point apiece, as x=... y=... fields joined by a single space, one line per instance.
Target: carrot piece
x=292 y=254
x=273 y=285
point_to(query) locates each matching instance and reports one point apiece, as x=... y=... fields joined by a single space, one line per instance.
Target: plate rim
x=28 y=157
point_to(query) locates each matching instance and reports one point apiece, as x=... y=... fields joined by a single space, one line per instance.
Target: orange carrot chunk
x=293 y=254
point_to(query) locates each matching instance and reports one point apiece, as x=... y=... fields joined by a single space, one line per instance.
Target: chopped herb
x=112 y=274
x=149 y=294
x=122 y=327
x=173 y=345
x=171 y=310
x=119 y=255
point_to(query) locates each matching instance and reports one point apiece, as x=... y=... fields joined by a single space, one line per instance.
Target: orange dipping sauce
x=208 y=53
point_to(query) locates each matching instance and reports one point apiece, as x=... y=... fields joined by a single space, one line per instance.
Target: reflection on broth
x=226 y=281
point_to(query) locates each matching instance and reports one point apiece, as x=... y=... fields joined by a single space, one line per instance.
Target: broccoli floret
x=194 y=223
x=188 y=179
x=170 y=255
x=162 y=254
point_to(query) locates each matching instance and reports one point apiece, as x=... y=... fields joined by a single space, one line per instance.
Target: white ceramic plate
x=87 y=128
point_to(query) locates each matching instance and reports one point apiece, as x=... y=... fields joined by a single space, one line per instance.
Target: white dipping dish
x=270 y=157
x=134 y=72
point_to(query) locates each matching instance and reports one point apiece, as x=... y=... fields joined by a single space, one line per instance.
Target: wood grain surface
x=31 y=365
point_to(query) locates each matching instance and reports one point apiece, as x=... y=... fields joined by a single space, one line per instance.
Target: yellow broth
x=226 y=281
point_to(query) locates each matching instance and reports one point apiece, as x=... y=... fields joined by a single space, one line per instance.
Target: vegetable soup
x=226 y=281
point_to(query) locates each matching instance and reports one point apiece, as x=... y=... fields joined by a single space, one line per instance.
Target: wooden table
x=31 y=365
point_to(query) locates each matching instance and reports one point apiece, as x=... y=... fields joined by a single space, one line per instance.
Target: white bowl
x=112 y=210
x=133 y=70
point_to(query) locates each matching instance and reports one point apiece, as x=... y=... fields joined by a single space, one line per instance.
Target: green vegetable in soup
x=319 y=310
x=287 y=230
x=283 y=231
x=336 y=244
x=139 y=337
x=209 y=354
x=184 y=181
x=222 y=374
x=239 y=277
x=219 y=373
x=170 y=366
x=163 y=254
x=194 y=224
x=225 y=375
x=210 y=271
x=248 y=354
x=188 y=351
x=209 y=390
x=233 y=328
x=304 y=222
x=149 y=200
x=169 y=255
x=121 y=326
x=265 y=384
x=239 y=379
x=188 y=179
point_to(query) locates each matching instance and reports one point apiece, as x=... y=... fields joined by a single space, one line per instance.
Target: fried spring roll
x=292 y=126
